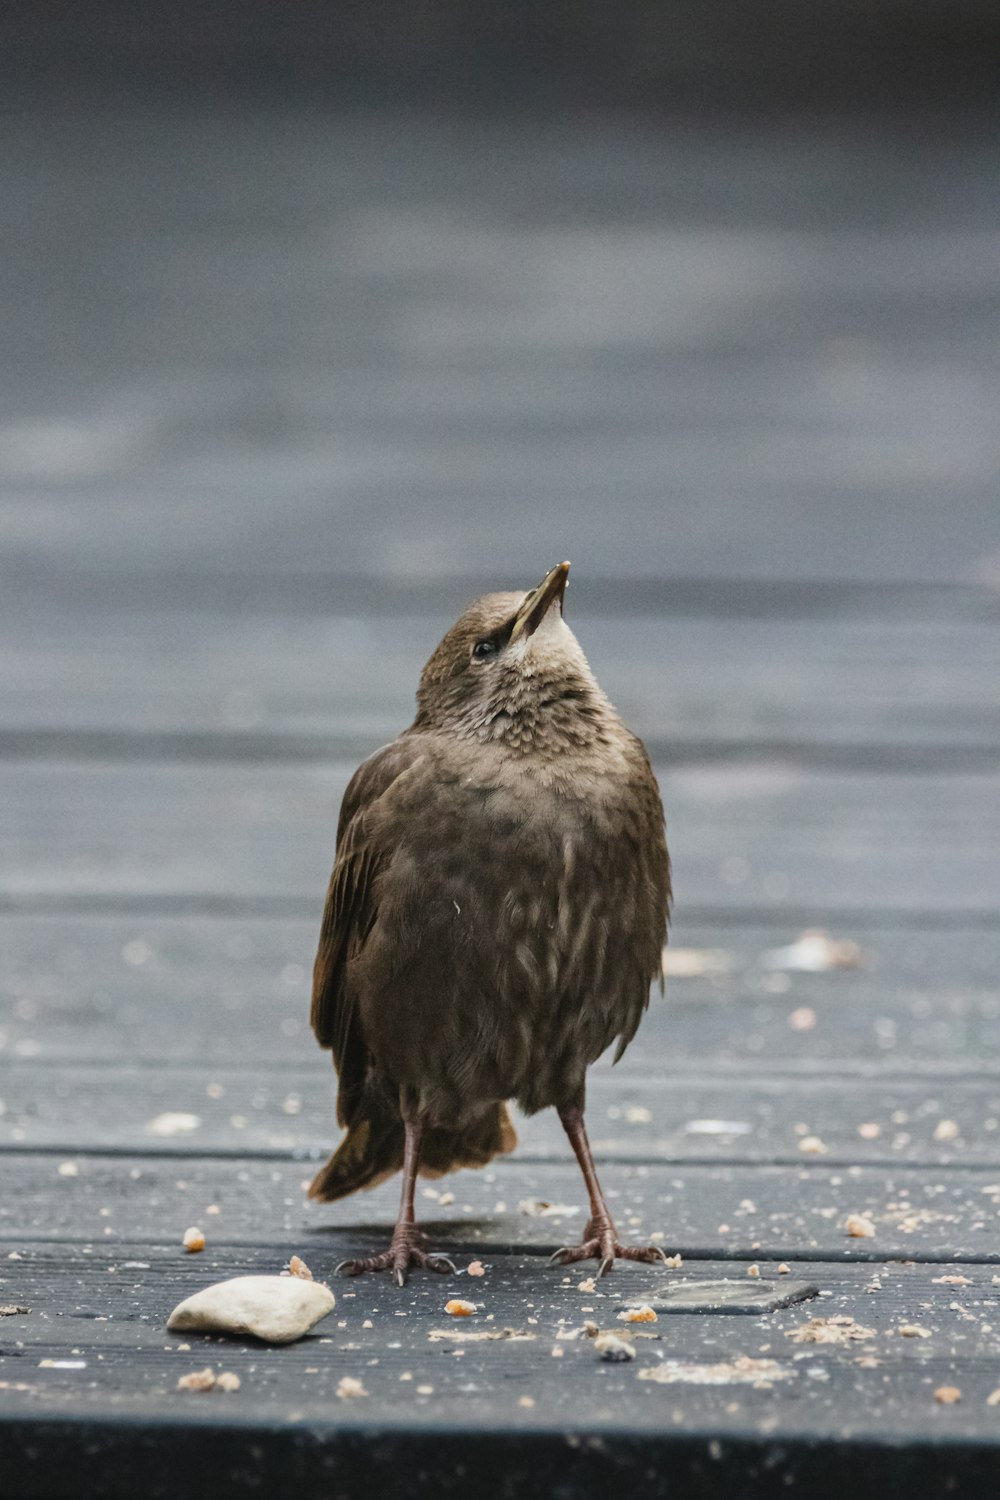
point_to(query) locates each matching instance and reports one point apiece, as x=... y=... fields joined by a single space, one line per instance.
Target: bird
x=494 y=921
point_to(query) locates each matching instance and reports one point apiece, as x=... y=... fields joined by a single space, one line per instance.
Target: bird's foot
x=601 y=1243
x=403 y=1253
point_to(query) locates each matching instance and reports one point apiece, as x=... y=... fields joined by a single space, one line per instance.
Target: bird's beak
x=536 y=606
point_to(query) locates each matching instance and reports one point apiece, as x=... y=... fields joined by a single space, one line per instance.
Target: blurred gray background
x=319 y=320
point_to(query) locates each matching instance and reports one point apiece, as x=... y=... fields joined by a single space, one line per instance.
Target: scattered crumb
x=859 y=1227
x=475 y=1268
x=811 y=1145
x=526 y=1401
x=691 y=963
x=193 y=1241
x=12 y=1309
x=612 y=1349
x=644 y=1314
x=298 y=1267
x=591 y=1329
x=993 y=1399
x=227 y=1381
x=425 y=1390
x=459 y=1308
x=952 y=1280
x=674 y=1262
x=556 y=1352
x=947 y=1395
x=213 y=1208
x=868 y=1361
x=914 y=1331
x=783 y=1269
x=753 y=1270
x=68 y=1169
x=802 y=1019
x=586 y=1286
x=813 y=952
x=479 y=1336
x=368 y=1323
x=946 y=1130
x=349 y=1387
x=743 y=1370
x=446 y=1199
x=173 y=1123
x=838 y=1329
x=869 y=1131
x=198 y=1380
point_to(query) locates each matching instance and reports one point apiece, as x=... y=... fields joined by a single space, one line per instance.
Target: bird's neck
x=539 y=716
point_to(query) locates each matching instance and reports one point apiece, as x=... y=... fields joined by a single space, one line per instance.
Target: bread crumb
x=914 y=1331
x=953 y=1280
x=425 y=1390
x=859 y=1227
x=591 y=1329
x=526 y=1401
x=869 y=1130
x=947 y=1395
x=298 y=1267
x=368 y=1323
x=227 y=1381
x=193 y=1241
x=644 y=1314
x=475 y=1268
x=993 y=1399
x=753 y=1270
x=674 y=1262
x=946 y=1130
x=349 y=1387
x=783 y=1269
x=459 y=1308
x=811 y=1145
x=586 y=1286
x=198 y=1380
x=839 y=1329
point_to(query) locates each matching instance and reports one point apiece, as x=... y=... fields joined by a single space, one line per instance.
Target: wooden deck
x=284 y=387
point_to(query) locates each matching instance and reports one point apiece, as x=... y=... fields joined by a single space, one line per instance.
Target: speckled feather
x=498 y=904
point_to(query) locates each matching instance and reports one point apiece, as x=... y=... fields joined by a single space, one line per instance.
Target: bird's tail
x=372 y=1149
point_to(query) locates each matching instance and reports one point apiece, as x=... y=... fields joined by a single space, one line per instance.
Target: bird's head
x=511 y=670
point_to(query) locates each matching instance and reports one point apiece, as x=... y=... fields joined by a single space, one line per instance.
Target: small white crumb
x=993 y=1399
x=198 y=1380
x=914 y=1331
x=869 y=1130
x=556 y=1352
x=673 y=1262
x=859 y=1227
x=753 y=1270
x=953 y=1280
x=783 y=1269
x=298 y=1267
x=425 y=1390
x=227 y=1381
x=368 y=1323
x=68 y=1169
x=947 y=1395
x=173 y=1122
x=811 y=1145
x=802 y=1019
x=586 y=1286
x=349 y=1387
x=526 y=1401
x=475 y=1268
x=446 y=1199
x=946 y=1130
x=193 y=1240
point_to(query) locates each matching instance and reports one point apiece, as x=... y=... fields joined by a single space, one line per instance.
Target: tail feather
x=372 y=1149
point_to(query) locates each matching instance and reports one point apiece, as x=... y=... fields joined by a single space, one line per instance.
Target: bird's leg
x=405 y=1250
x=600 y=1238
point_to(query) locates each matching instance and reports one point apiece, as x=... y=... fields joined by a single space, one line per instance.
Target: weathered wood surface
x=290 y=386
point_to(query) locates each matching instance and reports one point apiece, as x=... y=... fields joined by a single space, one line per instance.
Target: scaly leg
x=404 y=1250
x=600 y=1241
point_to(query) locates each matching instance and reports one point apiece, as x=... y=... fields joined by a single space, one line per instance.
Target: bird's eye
x=483 y=650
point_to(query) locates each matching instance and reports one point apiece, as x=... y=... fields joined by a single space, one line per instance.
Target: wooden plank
x=634 y=1113
x=255 y=685
x=108 y=1406
x=209 y=993
x=702 y=1209
x=398 y=337
x=751 y=836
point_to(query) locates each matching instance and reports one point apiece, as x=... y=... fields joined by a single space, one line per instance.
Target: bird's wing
x=351 y=912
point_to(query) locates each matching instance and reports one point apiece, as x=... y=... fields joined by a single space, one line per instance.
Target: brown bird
x=495 y=917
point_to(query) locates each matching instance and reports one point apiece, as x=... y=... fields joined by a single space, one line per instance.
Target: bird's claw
x=606 y=1248
x=400 y=1256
